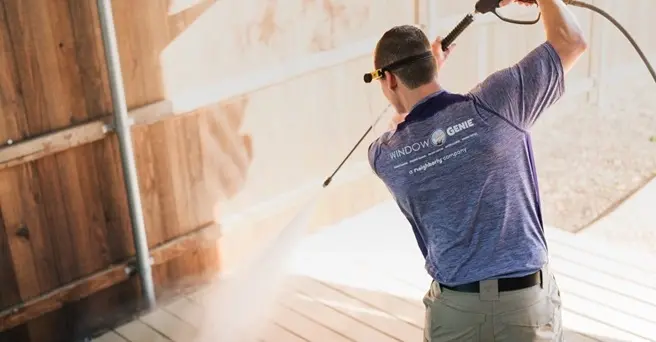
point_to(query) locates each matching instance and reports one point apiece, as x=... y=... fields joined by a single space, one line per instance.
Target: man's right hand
x=520 y=2
x=563 y=31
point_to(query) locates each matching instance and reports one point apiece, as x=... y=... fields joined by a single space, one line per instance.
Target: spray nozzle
x=487 y=6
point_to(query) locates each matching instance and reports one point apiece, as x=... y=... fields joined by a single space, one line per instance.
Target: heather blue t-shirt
x=461 y=170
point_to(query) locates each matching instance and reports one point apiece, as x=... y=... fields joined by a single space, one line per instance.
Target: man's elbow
x=574 y=44
x=571 y=49
x=579 y=44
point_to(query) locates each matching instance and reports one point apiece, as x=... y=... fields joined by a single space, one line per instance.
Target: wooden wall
x=243 y=107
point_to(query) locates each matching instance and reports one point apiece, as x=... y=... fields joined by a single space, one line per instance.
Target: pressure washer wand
x=330 y=179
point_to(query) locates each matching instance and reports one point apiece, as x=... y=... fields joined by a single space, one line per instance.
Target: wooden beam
x=39 y=147
x=87 y=286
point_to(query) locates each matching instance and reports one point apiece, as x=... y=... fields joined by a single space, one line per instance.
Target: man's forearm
x=563 y=31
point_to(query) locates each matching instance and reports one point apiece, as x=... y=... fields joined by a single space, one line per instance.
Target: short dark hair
x=403 y=41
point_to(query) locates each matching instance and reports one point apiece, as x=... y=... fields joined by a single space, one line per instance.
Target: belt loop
x=489 y=290
x=545 y=276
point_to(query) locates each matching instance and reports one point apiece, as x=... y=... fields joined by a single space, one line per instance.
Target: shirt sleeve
x=523 y=91
x=372 y=154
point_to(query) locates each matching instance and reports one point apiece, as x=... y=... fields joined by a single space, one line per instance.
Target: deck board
x=111 y=336
x=170 y=326
x=306 y=327
x=137 y=331
x=403 y=309
x=360 y=311
x=186 y=310
x=343 y=324
x=342 y=289
x=273 y=332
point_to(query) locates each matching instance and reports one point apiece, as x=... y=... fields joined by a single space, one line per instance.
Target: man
x=461 y=169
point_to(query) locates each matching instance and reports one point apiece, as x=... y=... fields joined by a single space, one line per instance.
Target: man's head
x=399 y=85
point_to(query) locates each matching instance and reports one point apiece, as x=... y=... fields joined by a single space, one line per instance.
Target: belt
x=505 y=284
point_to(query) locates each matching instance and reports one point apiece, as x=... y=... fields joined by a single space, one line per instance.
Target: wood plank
x=32 y=257
x=83 y=209
x=48 y=144
x=571 y=336
x=9 y=291
x=170 y=326
x=187 y=310
x=308 y=327
x=385 y=320
x=597 y=248
x=333 y=319
x=31 y=251
x=590 y=327
x=407 y=296
x=82 y=288
x=391 y=296
x=13 y=122
x=48 y=302
x=137 y=331
x=628 y=323
x=12 y=128
x=606 y=264
x=90 y=56
x=148 y=184
x=110 y=336
x=275 y=333
x=33 y=62
x=189 y=242
x=628 y=288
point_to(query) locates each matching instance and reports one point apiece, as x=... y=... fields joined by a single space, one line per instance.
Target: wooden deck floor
x=363 y=280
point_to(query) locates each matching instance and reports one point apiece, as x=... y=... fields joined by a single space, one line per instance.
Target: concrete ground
x=590 y=158
x=632 y=224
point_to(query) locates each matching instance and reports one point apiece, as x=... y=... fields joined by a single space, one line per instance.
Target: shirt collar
x=430 y=105
x=426 y=98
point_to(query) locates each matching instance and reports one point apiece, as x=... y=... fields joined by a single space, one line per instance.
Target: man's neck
x=418 y=94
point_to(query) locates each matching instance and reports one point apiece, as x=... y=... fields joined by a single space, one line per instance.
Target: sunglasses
x=380 y=73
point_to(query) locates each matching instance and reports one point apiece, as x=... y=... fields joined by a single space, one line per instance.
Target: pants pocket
x=536 y=323
x=448 y=323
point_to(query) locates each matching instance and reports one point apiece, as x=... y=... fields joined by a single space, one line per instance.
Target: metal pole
x=122 y=125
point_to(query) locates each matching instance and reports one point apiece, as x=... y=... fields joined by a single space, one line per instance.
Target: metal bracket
x=132 y=269
x=111 y=127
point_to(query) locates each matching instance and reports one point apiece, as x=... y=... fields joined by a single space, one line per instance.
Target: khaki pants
x=531 y=314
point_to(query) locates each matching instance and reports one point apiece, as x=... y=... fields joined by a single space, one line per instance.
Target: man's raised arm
x=521 y=93
x=563 y=31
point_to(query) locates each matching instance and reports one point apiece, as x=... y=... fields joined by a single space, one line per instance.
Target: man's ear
x=392 y=81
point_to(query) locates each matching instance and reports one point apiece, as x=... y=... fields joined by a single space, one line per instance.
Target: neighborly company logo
x=437 y=139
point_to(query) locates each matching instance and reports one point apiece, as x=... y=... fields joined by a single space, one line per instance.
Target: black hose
x=620 y=27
